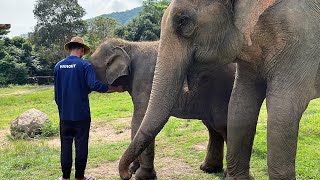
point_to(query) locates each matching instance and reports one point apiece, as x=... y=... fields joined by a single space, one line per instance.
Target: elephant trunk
x=171 y=67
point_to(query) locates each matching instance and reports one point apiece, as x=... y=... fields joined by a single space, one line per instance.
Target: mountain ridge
x=123 y=17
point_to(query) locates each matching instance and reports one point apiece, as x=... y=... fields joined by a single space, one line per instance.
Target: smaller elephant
x=132 y=65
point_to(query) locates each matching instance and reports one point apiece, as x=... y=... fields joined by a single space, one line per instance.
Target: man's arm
x=115 y=89
x=57 y=83
x=92 y=82
x=55 y=86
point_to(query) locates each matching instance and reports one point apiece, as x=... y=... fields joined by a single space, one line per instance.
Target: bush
x=12 y=72
x=49 y=130
x=15 y=61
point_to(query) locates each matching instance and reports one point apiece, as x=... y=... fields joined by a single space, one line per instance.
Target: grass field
x=181 y=145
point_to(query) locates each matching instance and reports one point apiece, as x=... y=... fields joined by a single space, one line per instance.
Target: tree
x=15 y=61
x=98 y=29
x=57 y=22
x=12 y=72
x=4 y=29
x=147 y=25
x=3 y=32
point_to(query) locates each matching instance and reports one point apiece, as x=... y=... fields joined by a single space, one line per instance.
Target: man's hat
x=77 y=40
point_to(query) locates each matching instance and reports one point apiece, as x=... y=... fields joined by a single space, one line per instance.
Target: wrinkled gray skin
x=276 y=46
x=132 y=64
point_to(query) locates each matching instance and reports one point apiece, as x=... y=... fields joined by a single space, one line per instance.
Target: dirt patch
x=121 y=123
x=124 y=121
x=108 y=170
x=103 y=132
x=54 y=143
x=166 y=167
x=172 y=168
x=100 y=132
x=27 y=91
x=3 y=137
x=201 y=146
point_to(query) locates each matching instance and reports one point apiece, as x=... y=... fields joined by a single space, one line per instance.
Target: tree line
x=57 y=22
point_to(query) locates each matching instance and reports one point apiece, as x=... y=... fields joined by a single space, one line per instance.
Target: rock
x=29 y=124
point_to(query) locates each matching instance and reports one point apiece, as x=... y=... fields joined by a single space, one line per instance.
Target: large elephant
x=276 y=46
x=132 y=65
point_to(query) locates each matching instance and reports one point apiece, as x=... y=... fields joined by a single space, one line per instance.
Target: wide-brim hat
x=77 y=40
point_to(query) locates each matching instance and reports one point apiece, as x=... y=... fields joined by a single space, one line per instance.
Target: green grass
x=25 y=159
x=106 y=106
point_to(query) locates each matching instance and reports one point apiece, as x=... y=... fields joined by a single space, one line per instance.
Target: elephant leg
x=243 y=111
x=286 y=103
x=284 y=115
x=134 y=166
x=290 y=88
x=143 y=167
x=213 y=162
x=146 y=160
x=135 y=124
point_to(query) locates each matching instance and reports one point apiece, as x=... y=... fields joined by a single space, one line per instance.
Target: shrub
x=12 y=72
x=49 y=130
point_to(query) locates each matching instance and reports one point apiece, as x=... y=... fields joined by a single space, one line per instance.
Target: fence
x=41 y=80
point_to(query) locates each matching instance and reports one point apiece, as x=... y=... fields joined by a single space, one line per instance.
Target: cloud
x=19 y=13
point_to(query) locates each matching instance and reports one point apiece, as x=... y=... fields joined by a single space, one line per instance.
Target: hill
x=124 y=16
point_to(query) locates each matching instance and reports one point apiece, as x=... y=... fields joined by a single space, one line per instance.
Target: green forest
x=58 y=21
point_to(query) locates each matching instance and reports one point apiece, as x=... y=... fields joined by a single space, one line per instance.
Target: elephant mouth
x=122 y=81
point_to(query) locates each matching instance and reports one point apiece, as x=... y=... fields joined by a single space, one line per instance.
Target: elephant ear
x=247 y=13
x=118 y=66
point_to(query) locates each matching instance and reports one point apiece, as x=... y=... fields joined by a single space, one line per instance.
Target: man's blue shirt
x=74 y=79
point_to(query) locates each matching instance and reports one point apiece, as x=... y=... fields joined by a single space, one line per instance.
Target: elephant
x=132 y=64
x=275 y=44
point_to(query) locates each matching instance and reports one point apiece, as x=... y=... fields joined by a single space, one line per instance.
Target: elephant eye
x=183 y=20
x=184 y=25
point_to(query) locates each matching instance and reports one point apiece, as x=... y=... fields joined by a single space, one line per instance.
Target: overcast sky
x=19 y=13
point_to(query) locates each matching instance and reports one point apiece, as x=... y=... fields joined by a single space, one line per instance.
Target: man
x=74 y=79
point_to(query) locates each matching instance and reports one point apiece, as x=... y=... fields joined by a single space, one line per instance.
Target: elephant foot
x=134 y=166
x=146 y=174
x=238 y=178
x=211 y=168
x=243 y=177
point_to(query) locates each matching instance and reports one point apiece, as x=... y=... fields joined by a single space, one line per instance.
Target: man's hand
x=115 y=89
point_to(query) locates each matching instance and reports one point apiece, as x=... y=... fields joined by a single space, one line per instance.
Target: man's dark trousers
x=79 y=132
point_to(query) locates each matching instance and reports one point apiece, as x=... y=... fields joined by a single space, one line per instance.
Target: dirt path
x=100 y=132
x=27 y=90
x=166 y=167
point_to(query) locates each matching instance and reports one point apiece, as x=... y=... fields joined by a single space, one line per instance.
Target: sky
x=19 y=13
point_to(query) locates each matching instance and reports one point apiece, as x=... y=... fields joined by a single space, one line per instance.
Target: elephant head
x=196 y=36
x=111 y=63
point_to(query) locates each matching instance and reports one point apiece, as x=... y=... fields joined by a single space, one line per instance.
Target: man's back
x=74 y=79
